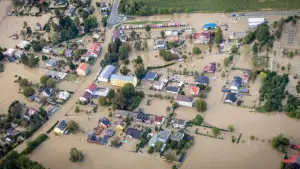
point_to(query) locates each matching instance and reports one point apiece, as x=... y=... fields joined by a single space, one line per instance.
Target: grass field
x=222 y=5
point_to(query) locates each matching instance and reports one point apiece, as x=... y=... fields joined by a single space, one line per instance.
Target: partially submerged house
x=83 y=69
x=61 y=126
x=51 y=63
x=92 y=88
x=64 y=95
x=121 y=125
x=47 y=49
x=121 y=80
x=86 y=97
x=106 y=73
x=203 y=37
x=105 y=122
x=178 y=123
x=158 y=85
x=58 y=51
x=142 y=117
x=171 y=32
x=160 y=44
x=194 y=90
x=125 y=113
x=172 y=89
x=209 y=26
x=237 y=35
x=38 y=27
x=133 y=133
x=150 y=76
x=177 y=136
x=210 y=68
x=230 y=98
x=184 y=100
x=48 y=91
x=236 y=83
x=204 y=80
x=23 y=44
x=153 y=141
x=159 y=120
x=164 y=136
x=174 y=51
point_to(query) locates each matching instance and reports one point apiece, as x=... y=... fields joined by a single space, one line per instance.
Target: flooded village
x=83 y=86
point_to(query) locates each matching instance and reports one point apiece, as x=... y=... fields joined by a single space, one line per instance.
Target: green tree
x=230 y=128
x=234 y=48
x=102 y=101
x=158 y=146
x=24 y=59
x=162 y=34
x=28 y=91
x=201 y=105
x=263 y=76
x=55 y=38
x=28 y=31
x=124 y=70
x=43 y=80
x=226 y=62
x=151 y=150
x=148 y=28
x=133 y=34
x=23 y=82
x=198 y=120
x=219 y=35
x=90 y=23
x=255 y=49
x=77 y=109
x=291 y=54
x=196 y=50
x=140 y=71
x=280 y=142
x=215 y=131
x=72 y=127
x=262 y=33
x=71 y=65
x=104 y=21
x=123 y=52
x=51 y=82
x=76 y=155
x=137 y=45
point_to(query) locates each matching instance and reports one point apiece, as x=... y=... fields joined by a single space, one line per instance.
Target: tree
x=23 y=82
x=124 y=70
x=201 y=105
x=72 y=127
x=123 y=52
x=47 y=28
x=230 y=128
x=198 y=120
x=55 y=38
x=291 y=54
x=234 y=48
x=158 y=146
x=255 y=48
x=145 y=44
x=111 y=94
x=43 y=80
x=77 y=21
x=196 y=50
x=90 y=23
x=76 y=155
x=115 y=141
x=51 y=82
x=138 y=60
x=215 y=131
x=151 y=149
x=32 y=61
x=28 y=31
x=280 y=142
x=25 y=24
x=226 y=62
x=170 y=156
x=162 y=34
x=137 y=45
x=28 y=91
x=218 y=36
x=262 y=76
x=104 y=21
x=102 y=101
x=77 y=109
x=132 y=34
x=72 y=65
x=140 y=71
x=24 y=59
x=148 y=28
x=262 y=33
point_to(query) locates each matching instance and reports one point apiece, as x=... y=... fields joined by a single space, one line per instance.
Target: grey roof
x=56 y=74
x=71 y=11
x=202 y=80
x=177 y=136
x=87 y=95
x=150 y=76
x=179 y=121
x=142 y=116
x=185 y=98
x=125 y=113
x=153 y=140
x=231 y=97
x=107 y=71
x=164 y=135
x=172 y=89
x=51 y=62
x=121 y=77
x=236 y=81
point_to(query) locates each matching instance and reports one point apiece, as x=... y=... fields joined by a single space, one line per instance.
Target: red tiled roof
x=198 y=35
x=92 y=87
x=95 y=46
x=158 y=118
x=293 y=159
x=195 y=89
x=83 y=66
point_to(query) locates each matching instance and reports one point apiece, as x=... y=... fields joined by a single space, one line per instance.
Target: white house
x=178 y=123
x=171 y=33
x=23 y=44
x=47 y=49
x=158 y=85
x=184 y=100
x=254 y=22
x=64 y=95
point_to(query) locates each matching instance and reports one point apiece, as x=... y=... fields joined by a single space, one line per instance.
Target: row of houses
x=93 y=91
x=162 y=25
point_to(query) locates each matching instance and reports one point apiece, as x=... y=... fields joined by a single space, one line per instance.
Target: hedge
x=31 y=145
x=49 y=130
x=159 y=67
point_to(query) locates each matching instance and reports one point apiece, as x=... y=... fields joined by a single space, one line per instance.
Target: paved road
x=114 y=17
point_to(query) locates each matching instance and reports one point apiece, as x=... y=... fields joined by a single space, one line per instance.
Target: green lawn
x=71 y=77
x=222 y=5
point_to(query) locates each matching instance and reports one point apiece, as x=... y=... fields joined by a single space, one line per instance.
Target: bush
x=151 y=150
x=31 y=145
x=1 y=67
x=201 y=105
x=28 y=91
x=72 y=127
x=234 y=48
x=54 y=125
x=198 y=120
x=226 y=62
x=230 y=128
x=44 y=57
x=196 y=50
x=76 y=155
x=280 y=142
x=215 y=131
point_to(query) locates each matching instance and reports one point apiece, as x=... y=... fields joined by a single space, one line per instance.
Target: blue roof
x=231 y=97
x=172 y=89
x=51 y=62
x=91 y=137
x=103 y=140
x=105 y=121
x=142 y=116
x=62 y=125
x=107 y=71
x=181 y=158
x=110 y=132
x=210 y=26
x=49 y=91
x=202 y=80
x=150 y=76
x=237 y=81
x=134 y=133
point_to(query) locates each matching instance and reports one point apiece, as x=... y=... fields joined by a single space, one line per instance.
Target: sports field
x=222 y=5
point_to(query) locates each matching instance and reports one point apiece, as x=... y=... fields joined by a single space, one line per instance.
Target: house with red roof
x=92 y=88
x=211 y=68
x=159 y=120
x=95 y=50
x=294 y=159
x=194 y=90
x=85 y=57
x=203 y=37
x=245 y=77
x=173 y=39
x=83 y=69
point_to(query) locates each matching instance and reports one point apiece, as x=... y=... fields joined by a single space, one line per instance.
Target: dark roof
x=92 y=137
x=134 y=133
x=179 y=121
x=150 y=76
x=202 y=80
x=116 y=34
x=181 y=158
x=231 y=97
x=184 y=98
x=87 y=95
x=105 y=121
x=172 y=89
x=49 y=91
x=102 y=140
x=110 y=132
x=237 y=81
x=142 y=116
x=62 y=125
x=60 y=1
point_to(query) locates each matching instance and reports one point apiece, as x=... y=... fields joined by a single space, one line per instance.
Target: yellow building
x=60 y=128
x=121 y=80
x=121 y=125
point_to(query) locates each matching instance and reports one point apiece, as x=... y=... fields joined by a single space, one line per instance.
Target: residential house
x=56 y=74
x=254 y=22
x=173 y=39
x=125 y=113
x=172 y=89
x=64 y=95
x=102 y=140
x=91 y=137
x=38 y=27
x=230 y=98
x=85 y=97
x=98 y=129
x=96 y=35
x=91 y=88
x=95 y=50
x=9 y=52
x=160 y=44
x=101 y=92
x=60 y=2
x=69 y=53
x=244 y=90
x=32 y=111
x=85 y=57
x=237 y=35
x=23 y=44
x=60 y=127
x=121 y=125
x=293 y=161
x=51 y=63
x=110 y=132
x=47 y=49
x=121 y=80
x=236 y=83
x=211 y=68
x=142 y=117
x=104 y=122
x=48 y=91
x=12 y=132
x=58 y=51
x=106 y=73
x=159 y=120
x=133 y=133
x=178 y=123
x=83 y=69
x=175 y=51
x=177 y=136
x=204 y=80
x=171 y=33
x=104 y=6
x=150 y=76
x=194 y=90
x=184 y=100
x=70 y=11
x=203 y=37
x=164 y=136
x=153 y=141
x=158 y=85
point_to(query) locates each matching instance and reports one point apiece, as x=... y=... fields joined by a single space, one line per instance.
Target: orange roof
x=173 y=38
x=95 y=46
x=195 y=89
x=293 y=159
x=83 y=66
